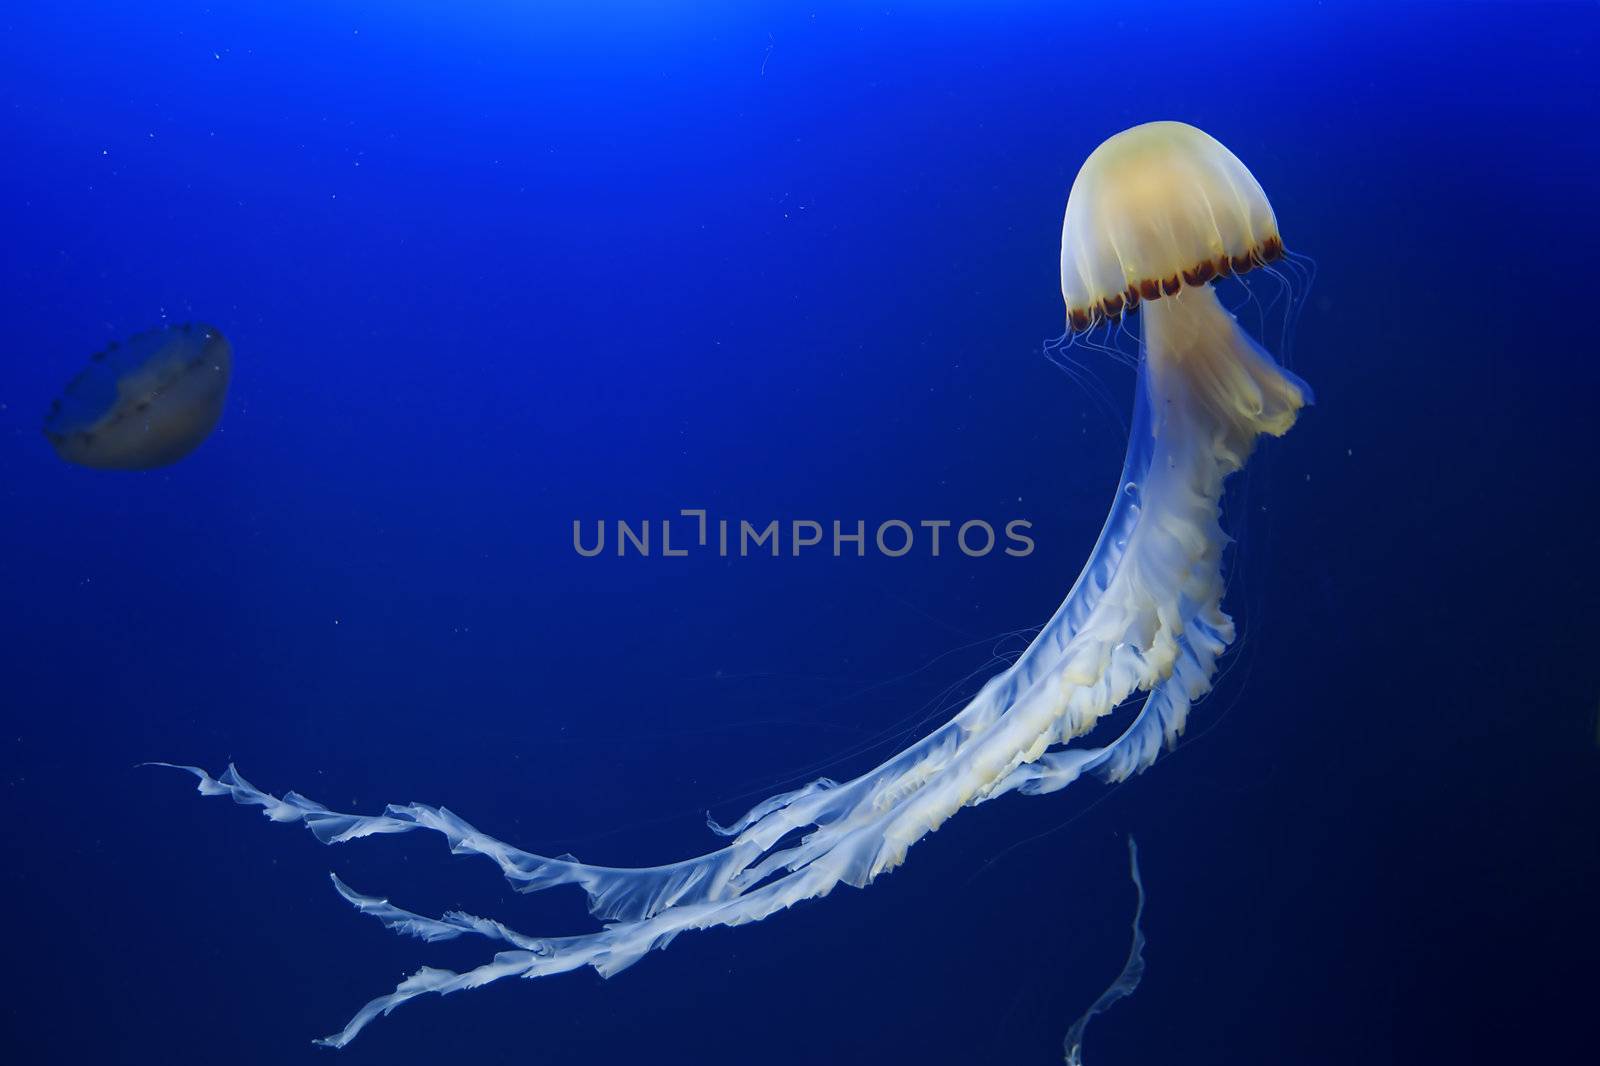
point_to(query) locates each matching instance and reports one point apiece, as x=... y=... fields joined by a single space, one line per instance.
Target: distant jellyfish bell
x=146 y=402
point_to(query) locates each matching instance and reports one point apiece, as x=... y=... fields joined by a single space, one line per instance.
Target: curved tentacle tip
x=207 y=786
x=171 y=766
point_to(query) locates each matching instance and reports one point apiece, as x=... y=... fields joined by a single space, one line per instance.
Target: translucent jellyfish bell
x=143 y=403
x=1155 y=208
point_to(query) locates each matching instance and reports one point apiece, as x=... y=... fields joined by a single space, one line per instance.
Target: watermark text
x=694 y=531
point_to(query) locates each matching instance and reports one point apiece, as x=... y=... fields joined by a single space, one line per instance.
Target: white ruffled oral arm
x=1144 y=616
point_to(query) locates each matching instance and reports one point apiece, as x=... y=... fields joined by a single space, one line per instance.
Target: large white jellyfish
x=1155 y=213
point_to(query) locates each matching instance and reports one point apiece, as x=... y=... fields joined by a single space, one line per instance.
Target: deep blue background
x=487 y=272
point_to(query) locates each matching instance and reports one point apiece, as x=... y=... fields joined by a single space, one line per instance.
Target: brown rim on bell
x=1111 y=309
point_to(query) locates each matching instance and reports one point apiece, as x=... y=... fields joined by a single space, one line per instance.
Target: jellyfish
x=143 y=403
x=1155 y=214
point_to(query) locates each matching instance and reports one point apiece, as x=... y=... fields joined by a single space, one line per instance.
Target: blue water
x=487 y=271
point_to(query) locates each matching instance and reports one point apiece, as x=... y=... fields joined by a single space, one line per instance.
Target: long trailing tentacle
x=1144 y=616
x=1126 y=981
x=623 y=893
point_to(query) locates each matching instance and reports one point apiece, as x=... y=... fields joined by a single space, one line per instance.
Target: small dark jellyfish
x=144 y=403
